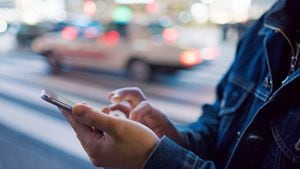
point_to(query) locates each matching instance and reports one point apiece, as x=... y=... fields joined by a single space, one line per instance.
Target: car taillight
x=69 y=33
x=190 y=58
x=111 y=37
x=170 y=35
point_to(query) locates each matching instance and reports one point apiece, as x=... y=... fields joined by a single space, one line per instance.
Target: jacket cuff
x=168 y=154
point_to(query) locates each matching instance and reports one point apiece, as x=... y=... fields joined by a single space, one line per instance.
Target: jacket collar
x=282 y=17
x=285 y=15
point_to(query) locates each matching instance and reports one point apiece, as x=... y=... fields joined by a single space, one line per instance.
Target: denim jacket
x=255 y=120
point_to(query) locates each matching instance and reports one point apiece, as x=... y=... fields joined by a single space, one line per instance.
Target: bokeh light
x=3 y=26
x=122 y=14
x=199 y=12
x=170 y=35
x=219 y=15
x=69 y=33
x=110 y=38
x=185 y=17
x=89 y=7
x=190 y=57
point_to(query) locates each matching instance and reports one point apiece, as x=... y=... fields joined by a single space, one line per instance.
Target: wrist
x=171 y=132
x=151 y=153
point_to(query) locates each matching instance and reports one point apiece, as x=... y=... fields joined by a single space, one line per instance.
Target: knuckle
x=146 y=105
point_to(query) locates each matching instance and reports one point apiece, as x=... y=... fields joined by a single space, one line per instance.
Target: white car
x=131 y=48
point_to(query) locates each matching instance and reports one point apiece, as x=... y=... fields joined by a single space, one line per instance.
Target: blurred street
x=175 y=51
x=33 y=130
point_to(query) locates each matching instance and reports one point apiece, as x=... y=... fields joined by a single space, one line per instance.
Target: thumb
x=93 y=118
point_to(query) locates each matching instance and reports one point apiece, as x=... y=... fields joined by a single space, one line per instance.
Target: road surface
x=33 y=134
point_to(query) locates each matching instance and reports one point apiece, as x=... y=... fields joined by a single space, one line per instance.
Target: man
x=254 y=122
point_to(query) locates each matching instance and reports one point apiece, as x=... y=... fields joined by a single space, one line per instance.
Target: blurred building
x=7 y=10
x=177 y=11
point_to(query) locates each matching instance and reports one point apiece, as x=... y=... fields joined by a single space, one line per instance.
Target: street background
x=33 y=133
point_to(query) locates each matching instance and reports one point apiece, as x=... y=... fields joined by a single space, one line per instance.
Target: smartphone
x=57 y=100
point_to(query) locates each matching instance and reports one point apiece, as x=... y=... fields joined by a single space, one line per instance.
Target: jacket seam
x=282 y=146
x=262 y=96
x=248 y=86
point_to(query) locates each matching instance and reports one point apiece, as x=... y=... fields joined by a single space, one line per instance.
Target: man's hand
x=111 y=141
x=140 y=110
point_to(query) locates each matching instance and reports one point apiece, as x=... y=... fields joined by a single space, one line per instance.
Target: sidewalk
x=7 y=42
x=19 y=151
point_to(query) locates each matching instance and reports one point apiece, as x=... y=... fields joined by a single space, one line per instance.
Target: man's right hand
x=109 y=141
x=140 y=110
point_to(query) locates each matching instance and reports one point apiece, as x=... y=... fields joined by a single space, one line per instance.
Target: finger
x=83 y=132
x=68 y=115
x=132 y=95
x=137 y=113
x=93 y=118
x=105 y=110
x=121 y=107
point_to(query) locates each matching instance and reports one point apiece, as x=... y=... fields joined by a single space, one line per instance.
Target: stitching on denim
x=277 y=158
x=190 y=160
x=265 y=94
x=195 y=163
x=244 y=85
x=235 y=79
x=297 y=145
x=260 y=96
x=282 y=146
x=280 y=142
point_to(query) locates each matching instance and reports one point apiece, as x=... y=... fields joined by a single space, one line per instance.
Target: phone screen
x=57 y=100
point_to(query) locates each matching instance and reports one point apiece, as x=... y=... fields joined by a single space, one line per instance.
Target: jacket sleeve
x=200 y=137
x=169 y=155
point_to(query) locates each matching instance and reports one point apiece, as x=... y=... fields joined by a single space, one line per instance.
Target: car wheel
x=140 y=71
x=54 y=63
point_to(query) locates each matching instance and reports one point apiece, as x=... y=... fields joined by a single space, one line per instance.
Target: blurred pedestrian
x=253 y=123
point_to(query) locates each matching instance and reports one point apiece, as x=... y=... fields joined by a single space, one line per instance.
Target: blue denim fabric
x=167 y=152
x=255 y=120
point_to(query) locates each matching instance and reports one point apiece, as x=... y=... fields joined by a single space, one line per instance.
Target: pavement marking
x=41 y=127
x=180 y=113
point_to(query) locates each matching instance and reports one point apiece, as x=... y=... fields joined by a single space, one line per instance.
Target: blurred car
x=239 y=28
x=26 y=33
x=128 y=47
